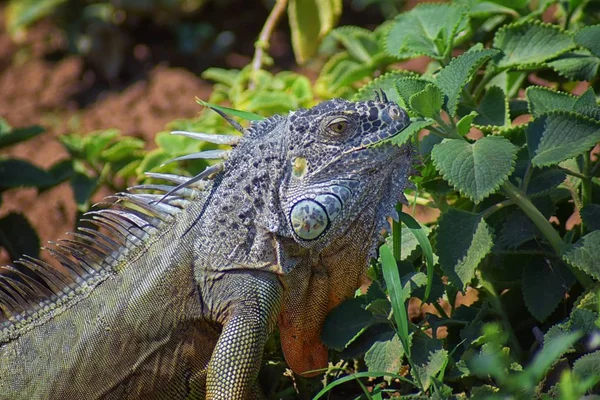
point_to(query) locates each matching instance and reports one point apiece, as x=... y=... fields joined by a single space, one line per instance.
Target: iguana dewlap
x=176 y=294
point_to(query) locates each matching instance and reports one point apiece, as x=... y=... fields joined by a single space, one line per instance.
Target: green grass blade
x=248 y=116
x=394 y=285
x=421 y=236
x=370 y=374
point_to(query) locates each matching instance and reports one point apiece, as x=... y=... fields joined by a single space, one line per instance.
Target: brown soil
x=38 y=91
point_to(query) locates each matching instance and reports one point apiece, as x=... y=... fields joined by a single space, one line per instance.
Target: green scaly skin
x=175 y=299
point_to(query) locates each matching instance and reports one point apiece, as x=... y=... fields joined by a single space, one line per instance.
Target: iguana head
x=336 y=170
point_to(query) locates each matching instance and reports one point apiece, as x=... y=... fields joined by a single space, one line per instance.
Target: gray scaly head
x=336 y=172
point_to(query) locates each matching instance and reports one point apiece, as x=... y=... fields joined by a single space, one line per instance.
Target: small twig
x=262 y=43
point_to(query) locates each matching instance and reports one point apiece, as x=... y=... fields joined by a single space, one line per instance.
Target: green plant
x=17 y=235
x=496 y=183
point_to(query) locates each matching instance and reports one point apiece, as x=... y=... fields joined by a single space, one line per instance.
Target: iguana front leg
x=252 y=301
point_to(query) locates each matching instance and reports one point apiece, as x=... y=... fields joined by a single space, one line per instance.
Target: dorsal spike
x=215 y=169
x=206 y=155
x=168 y=177
x=230 y=140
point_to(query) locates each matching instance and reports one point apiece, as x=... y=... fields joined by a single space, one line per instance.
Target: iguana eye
x=338 y=126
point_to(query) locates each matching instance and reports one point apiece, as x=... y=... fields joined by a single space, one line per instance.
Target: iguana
x=173 y=295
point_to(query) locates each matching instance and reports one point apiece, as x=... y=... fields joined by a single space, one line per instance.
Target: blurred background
x=87 y=67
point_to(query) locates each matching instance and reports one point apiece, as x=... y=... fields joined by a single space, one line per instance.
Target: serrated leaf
x=386 y=82
x=529 y=44
x=542 y=100
x=588 y=366
x=463 y=240
x=588 y=37
x=427 y=102
x=429 y=358
x=453 y=78
x=545 y=180
x=310 y=21
x=544 y=284
x=345 y=323
x=475 y=169
x=428 y=29
x=407 y=87
x=380 y=308
x=385 y=356
x=590 y=215
x=560 y=136
x=464 y=125
x=578 y=65
x=493 y=109
x=584 y=254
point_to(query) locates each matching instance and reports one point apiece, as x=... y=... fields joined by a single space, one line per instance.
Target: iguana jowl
x=175 y=296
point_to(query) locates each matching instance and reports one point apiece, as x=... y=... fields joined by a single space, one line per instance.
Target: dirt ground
x=42 y=83
x=45 y=92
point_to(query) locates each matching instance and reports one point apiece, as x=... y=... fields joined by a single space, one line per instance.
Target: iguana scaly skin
x=175 y=295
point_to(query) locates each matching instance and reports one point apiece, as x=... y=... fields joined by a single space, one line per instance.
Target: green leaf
x=590 y=215
x=427 y=102
x=10 y=136
x=588 y=37
x=578 y=65
x=429 y=359
x=542 y=100
x=124 y=148
x=453 y=78
x=464 y=125
x=227 y=110
x=529 y=44
x=545 y=283
x=558 y=136
x=584 y=254
x=84 y=187
x=549 y=354
x=18 y=237
x=20 y=14
x=385 y=82
x=310 y=21
x=345 y=323
x=463 y=240
x=428 y=29
x=385 y=356
x=475 y=169
x=16 y=173
x=361 y=43
x=420 y=232
x=96 y=142
x=407 y=87
x=588 y=365
x=493 y=109
x=396 y=293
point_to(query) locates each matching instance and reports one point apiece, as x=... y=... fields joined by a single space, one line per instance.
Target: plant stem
x=262 y=43
x=499 y=309
x=498 y=206
x=545 y=227
x=573 y=173
x=535 y=215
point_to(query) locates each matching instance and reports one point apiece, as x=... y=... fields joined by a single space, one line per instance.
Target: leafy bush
x=497 y=183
